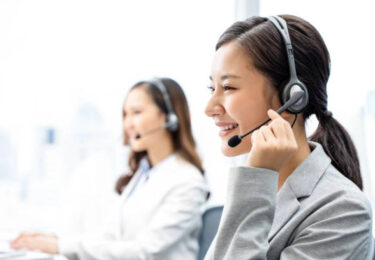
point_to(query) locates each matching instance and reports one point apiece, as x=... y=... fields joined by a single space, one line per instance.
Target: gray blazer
x=317 y=214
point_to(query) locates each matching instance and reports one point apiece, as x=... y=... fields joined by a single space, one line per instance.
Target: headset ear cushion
x=172 y=122
x=288 y=91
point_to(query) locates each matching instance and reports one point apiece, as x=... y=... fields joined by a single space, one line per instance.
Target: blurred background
x=65 y=69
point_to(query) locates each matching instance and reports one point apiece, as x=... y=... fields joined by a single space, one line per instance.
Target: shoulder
x=318 y=183
x=181 y=169
x=337 y=212
x=177 y=171
x=338 y=201
x=180 y=180
x=337 y=188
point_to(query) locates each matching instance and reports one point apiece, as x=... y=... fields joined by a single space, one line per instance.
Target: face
x=240 y=96
x=141 y=116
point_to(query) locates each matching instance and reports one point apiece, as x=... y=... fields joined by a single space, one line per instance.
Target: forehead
x=138 y=97
x=231 y=58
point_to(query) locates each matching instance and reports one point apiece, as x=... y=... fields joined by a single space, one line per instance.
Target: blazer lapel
x=299 y=184
x=284 y=211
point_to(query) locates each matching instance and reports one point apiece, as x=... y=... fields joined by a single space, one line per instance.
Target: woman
x=161 y=197
x=296 y=198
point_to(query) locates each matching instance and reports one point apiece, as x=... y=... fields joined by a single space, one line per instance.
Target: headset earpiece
x=289 y=90
x=171 y=120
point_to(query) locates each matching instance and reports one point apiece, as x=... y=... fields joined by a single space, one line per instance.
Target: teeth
x=227 y=127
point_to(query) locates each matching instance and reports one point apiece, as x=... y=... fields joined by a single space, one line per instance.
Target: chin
x=136 y=148
x=229 y=151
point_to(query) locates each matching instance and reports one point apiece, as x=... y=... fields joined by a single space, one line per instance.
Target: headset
x=294 y=84
x=172 y=122
x=293 y=95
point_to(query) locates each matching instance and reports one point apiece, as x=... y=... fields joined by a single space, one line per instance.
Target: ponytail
x=338 y=146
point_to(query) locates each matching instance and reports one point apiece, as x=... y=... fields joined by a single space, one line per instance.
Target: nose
x=214 y=107
x=127 y=123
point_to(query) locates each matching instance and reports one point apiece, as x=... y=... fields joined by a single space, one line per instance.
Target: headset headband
x=294 y=83
x=172 y=119
x=159 y=84
x=282 y=27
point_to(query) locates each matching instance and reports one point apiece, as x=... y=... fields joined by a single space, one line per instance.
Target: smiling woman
x=295 y=197
x=162 y=195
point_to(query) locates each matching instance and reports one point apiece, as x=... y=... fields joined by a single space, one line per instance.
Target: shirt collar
x=145 y=166
x=305 y=177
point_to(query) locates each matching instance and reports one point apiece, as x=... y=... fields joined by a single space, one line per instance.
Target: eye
x=228 y=88
x=211 y=89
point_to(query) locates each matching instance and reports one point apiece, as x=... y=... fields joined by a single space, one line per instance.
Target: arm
x=247 y=216
x=340 y=229
x=180 y=214
x=249 y=210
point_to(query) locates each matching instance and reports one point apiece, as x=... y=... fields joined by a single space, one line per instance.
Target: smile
x=228 y=127
x=225 y=130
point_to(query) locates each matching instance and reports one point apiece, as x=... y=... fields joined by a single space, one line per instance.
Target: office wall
x=65 y=68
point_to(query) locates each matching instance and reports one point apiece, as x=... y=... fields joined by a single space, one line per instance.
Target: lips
x=226 y=128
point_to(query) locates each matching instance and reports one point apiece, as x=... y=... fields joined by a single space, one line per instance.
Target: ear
x=289 y=117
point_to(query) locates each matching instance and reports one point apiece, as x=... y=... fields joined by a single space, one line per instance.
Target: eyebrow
x=227 y=76
x=133 y=107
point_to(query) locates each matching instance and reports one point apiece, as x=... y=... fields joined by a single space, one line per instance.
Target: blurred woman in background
x=162 y=195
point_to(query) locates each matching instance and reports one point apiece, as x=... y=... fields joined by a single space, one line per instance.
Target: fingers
x=24 y=240
x=277 y=128
x=273 y=114
x=257 y=138
x=272 y=144
x=19 y=243
x=17 y=239
x=280 y=127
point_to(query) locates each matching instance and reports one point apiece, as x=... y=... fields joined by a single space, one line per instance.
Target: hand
x=36 y=241
x=273 y=144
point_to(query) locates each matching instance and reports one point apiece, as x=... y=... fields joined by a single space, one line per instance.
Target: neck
x=160 y=151
x=301 y=154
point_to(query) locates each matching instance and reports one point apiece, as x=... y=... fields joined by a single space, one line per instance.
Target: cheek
x=248 y=113
x=141 y=123
x=242 y=110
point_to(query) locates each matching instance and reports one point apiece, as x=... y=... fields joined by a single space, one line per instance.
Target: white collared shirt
x=160 y=217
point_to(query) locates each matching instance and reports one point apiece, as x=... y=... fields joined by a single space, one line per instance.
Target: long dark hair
x=265 y=46
x=183 y=140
